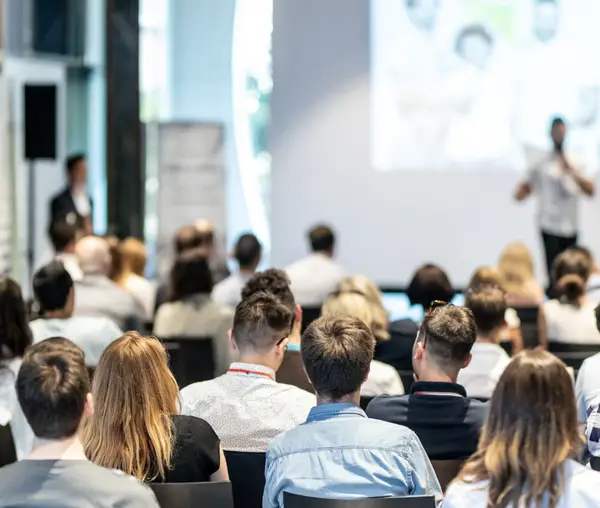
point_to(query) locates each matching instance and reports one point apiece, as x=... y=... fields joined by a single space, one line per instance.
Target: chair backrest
x=188 y=495
x=291 y=372
x=573 y=354
x=247 y=476
x=408 y=379
x=447 y=470
x=190 y=358
x=364 y=401
x=296 y=501
x=309 y=314
x=529 y=325
x=8 y=454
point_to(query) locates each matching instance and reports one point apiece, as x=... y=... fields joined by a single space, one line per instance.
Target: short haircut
x=73 y=160
x=247 y=250
x=190 y=275
x=557 y=121
x=260 y=322
x=321 y=238
x=15 y=334
x=487 y=276
x=134 y=256
x=570 y=272
x=52 y=385
x=272 y=281
x=488 y=305
x=448 y=333
x=63 y=232
x=51 y=286
x=189 y=237
x=429 y=283
x=337 y=352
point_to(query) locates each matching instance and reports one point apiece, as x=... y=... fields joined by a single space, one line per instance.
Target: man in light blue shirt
x=339 y=453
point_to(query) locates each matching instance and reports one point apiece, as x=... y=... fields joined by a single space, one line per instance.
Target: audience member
x=53 y=390
x=429 y=283
x=316 y=275
x=516 y=270
x=587 y=386
x=15 y=338
x=135 y=426
x=438 y=410
x=377 y=459
x=277 y=283
x=131 y=278
x=480 y=377
x=569 y=318
x=190 y=311
x=55 y=294
x=216 y=258
x=64 y=233
x=116 y=258
x=382 y=379
x=593 y=283
x=246 y=406
x=531 y=436
x=247 y=253
x=98 y=296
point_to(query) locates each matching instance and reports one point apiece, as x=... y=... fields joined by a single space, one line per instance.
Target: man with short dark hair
x=247 y=253
x=55 y=294
x=438 y=410
x=53 y=389
x=246 y=406
x=317 y=275
x=64 y=233
x=340 y=453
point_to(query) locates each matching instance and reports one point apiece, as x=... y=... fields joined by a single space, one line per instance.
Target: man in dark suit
x=74 y=199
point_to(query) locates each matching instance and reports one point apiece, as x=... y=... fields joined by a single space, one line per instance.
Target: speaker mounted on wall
x=40 y=121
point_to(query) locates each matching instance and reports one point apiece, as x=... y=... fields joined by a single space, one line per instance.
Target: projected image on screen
x=473 y=84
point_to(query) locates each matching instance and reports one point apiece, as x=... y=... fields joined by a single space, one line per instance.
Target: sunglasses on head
x=436 y=304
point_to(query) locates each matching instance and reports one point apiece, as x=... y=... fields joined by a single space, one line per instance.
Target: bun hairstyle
x=570 y=272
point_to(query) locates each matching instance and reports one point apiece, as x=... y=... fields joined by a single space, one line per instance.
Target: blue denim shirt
x=340 y=453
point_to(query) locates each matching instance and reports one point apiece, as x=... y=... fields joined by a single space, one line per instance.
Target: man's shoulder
x=296 y=393
x=197 y=392
x=387 y=406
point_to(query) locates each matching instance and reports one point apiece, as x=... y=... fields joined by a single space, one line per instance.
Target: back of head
x=322 y=239
x=516 y=266
x=52 y=386
x=247 y=251
x=570 y=272
x=190 y=275
x=52 y=286
x=134 y=256
x=261 y=321
x=371 y=292
x=64 y=232
x=448 y=334
x=116 y=257
x=487 y=276
x=135 y=395
x=94 y=255
x=15 y=335
x=337 y=352
x=531 y=430
x=429 y=283
x=488 y=305
x=272 y=281
x=349 y=303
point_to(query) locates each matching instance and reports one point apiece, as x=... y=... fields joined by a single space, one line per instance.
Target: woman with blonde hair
x=525 y=457
x=383 y=379
x=516 y=269
x=135 y=426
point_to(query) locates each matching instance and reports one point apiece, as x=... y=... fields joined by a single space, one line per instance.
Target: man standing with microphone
x=559 y=184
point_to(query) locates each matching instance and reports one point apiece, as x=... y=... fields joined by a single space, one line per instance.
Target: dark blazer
x=62 y=204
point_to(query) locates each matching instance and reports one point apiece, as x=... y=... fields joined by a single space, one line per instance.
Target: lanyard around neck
x=251 y=373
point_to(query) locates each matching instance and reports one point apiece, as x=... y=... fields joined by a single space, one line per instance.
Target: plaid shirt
x=592 y=431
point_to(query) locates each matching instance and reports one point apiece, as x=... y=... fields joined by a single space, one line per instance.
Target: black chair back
x=309 y=314
x=365 y=401
x=529 y=325
x=187 y=495
x=8 y=454
x=408 y=379
x=296 y=501
x=573 y=354
x=247 y=476
x=190 y=358
x=291 y=372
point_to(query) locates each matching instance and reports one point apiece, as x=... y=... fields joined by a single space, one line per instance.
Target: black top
x=397 y=351
x=62 y=204
x=196 y=454
x=447 y=425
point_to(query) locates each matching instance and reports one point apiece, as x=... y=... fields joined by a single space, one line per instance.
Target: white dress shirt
x=383 y=380
x=228 y=292
x=314 y=278
x=481 y=376
x=246 y=406
x=82 y=202
x=571 y=324
x=580 y=491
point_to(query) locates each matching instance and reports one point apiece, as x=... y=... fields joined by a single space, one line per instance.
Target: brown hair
x=190 y=275
x=429 y=283
x=52 y=386
x=321 y=238
x=116 y=258
x=337 y=352
x=488 y=304
x=531 y=429
x=487 y=276
x=371 y=292
x=448 y=333
x=273 y=281
x=570 y=272
x=134 y=255
x=135 y=395
x=516 y=267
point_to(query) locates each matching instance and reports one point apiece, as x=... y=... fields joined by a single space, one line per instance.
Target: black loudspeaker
x=40 y=122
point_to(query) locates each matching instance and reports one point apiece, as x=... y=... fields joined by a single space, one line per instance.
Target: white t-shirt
x=558 y=195
x=314 y=278
x=571 y=323
x=481 y=376
x=383 y=379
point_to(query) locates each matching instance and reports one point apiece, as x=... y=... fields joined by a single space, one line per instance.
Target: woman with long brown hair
x=135 y=426
x=528 y=443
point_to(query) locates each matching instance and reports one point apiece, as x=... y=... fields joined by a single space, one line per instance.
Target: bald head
x=93 y=253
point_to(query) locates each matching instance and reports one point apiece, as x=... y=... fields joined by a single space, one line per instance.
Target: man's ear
x=419 y=350
x=467 y=361
x=281 y=347
x=231 y=339
x=88 y=408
